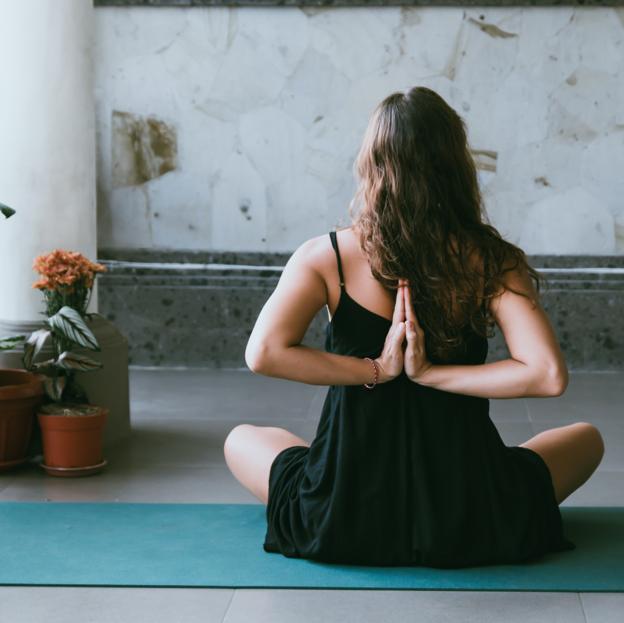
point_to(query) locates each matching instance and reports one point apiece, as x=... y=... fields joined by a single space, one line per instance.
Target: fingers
x=414 y=352
x=398 y=337
x=409 y=308
x=410 y=332
x=399 y=307
x=415 y=342
x=410 y=314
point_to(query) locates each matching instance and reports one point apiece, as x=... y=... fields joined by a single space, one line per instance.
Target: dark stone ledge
x=350 y=3
x=201 y=313
x=254 y=258
x=261 y=258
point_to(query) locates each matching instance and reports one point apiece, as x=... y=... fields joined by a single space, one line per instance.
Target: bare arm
x=536 y=366
x=274 y=347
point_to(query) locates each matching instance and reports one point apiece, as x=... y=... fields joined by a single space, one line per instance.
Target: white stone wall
x=237 y=128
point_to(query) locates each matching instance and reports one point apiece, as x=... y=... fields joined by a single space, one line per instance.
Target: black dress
x=407 y=475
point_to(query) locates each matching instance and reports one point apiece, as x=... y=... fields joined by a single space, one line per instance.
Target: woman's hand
x=415 y=358
x=391 y=359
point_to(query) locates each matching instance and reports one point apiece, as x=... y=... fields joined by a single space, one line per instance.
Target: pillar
x=47 y=174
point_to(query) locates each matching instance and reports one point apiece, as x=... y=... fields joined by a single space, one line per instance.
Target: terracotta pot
x=72 y=435
x=21 y=393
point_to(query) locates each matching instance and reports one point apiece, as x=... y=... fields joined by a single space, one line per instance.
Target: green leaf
x=44 y=367
x=7 y=343
x=74 y=361
x=71 y=324
x=6 y=210
x=54 y=387
x=33 y=345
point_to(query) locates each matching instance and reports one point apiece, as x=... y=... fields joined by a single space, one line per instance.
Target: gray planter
x=107 y=386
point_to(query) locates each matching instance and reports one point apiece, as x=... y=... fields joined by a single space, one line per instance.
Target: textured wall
x=236 y=128
x=201 y=312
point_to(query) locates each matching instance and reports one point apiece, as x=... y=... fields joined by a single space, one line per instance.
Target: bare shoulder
x=317 y=252
x=516 y=280
x=313 y=246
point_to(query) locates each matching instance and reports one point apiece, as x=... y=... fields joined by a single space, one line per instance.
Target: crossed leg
x=572 y=453
x=249 y=451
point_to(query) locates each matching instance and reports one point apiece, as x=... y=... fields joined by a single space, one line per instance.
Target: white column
x=47 y=145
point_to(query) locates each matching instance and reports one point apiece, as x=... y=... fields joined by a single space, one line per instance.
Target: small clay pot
x=21 y=393
x=72 y=435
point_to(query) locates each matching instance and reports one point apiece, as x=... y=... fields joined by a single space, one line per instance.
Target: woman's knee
x=244 y=435
x=593 y=437
x=235 y=435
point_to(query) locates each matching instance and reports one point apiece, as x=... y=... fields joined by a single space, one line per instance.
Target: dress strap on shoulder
x=334 y=241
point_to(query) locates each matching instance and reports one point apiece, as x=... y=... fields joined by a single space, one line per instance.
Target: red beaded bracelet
x=375 y=366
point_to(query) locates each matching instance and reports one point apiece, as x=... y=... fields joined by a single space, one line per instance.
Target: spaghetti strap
x=334 y=241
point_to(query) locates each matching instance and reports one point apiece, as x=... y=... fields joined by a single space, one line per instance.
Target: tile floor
x=175 y=454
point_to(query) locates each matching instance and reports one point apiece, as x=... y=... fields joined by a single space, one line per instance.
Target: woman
x=406 y=466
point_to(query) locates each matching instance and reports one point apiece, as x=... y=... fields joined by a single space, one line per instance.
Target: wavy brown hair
x=420 y=216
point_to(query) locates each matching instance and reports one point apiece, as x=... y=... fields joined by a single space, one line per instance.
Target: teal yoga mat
x=220 y=545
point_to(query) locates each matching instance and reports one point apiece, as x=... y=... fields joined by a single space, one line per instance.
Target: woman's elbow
x=546 y=379
x=252 y=362
x=255 y=358
x=556 y=380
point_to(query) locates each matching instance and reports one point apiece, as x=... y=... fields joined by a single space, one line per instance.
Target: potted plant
x=21 y=392
x=71 y=428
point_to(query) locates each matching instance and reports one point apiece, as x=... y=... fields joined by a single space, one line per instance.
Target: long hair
x=420 y=216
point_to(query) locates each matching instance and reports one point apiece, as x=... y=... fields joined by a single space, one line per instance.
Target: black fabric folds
x=408 y=475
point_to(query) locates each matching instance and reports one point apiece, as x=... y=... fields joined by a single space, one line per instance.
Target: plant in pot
x=21 y=393
x=71 y=427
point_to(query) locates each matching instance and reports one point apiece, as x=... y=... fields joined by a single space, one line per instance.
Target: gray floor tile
x=603 y=607
x=167 y=484
x=604 y=488
x=240 y=395
x=60 y=604
x=513 y=410
x=589 y=395
x=316 y=404
x=514 y=433
x=188 y=442
x=353 y=606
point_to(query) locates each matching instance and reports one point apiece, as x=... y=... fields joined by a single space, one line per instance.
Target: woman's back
x=363 y=287
x=404 y=474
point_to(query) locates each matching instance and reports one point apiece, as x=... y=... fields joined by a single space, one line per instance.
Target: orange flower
x=65 y=269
